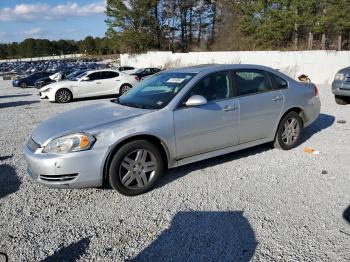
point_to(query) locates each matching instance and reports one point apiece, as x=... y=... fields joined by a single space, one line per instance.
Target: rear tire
x=340 y=100
x=63 y=96
x=135 y=168
x=124 y=89
x=289 y=131
x=24 y=85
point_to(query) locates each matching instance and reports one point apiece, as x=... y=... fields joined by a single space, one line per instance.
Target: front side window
x=251 y=82
x=95 y=76
x=216 y=86
x=156 y=92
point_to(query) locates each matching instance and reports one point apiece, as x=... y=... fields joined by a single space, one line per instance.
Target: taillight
x=137 y=78
x=315 y=90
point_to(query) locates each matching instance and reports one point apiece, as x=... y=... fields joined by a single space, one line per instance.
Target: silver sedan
x=174 y=118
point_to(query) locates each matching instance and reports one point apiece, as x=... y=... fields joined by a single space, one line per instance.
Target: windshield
x=156 y=92
x=77 y=76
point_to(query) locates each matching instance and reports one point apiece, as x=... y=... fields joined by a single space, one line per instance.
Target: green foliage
x=43 y=47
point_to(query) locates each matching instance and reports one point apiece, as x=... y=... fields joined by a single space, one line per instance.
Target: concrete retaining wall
x=320 y=66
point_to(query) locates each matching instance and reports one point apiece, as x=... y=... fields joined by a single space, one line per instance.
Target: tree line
x=135 y=26
x=44 y=47
x=189 y=25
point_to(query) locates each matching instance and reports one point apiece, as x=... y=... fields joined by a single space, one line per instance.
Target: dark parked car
x=341 y=86
x=29 y=80
x=43 y=82
x=144 y=72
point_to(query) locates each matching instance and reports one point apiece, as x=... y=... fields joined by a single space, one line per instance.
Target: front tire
x=135 y=168
x=340 y=100
x=63 y=96
x=125 y=88
x=289 y=132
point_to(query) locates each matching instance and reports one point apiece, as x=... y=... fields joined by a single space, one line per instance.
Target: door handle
x=230 y=108
x=277 y=98
x=98 y=83
x=117 y=80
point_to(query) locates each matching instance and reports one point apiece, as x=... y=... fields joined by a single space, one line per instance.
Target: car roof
x=208 y=67
x=101 y=70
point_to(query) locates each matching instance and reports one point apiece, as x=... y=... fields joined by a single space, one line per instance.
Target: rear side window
x=251 y=82
x=278 y=82
x=109 y=74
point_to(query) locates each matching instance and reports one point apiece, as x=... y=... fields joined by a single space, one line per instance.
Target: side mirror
x=86 y=78
x=283 y=85
x=196 y=100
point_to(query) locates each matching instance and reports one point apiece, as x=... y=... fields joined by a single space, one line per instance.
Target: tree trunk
x=213 y=28
x=323 y=41
x=296 y=35
x=199 y=37
x=310 y=42
x=339 y=42
x=190 y=29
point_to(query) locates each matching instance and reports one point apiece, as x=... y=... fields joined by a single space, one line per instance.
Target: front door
x=211 y=126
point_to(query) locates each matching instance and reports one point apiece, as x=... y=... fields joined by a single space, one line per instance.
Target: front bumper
x=72 y=170
x=47 y=95
x=16 y=83
x=340 y=88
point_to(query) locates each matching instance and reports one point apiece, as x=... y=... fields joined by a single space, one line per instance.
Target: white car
x=89 y=84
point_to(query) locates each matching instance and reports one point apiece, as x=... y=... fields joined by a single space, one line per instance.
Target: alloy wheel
x=137 y=169
x=291 y=131
x=125 y=89
x=63 y=96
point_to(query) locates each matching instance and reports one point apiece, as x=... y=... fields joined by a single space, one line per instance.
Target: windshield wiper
x=131 y=104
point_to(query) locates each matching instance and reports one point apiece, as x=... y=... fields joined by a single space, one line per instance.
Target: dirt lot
x=257 y=204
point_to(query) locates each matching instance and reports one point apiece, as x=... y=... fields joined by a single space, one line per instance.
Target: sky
x=51 y=19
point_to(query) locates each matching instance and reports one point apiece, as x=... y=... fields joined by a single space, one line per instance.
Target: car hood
x=56 y=85
x=83 y=119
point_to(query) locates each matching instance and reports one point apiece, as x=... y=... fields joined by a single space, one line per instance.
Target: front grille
x=32 y=145
x=58 y=178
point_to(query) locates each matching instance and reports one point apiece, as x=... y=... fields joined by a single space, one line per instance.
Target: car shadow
x=11 y=96
x=3 y=158
x=203 y=236
x=9 y=180
x=324 y=121
x=94 y=98
x=17 y=103
x=178 y=172
x=72 y=252
x=346 y=214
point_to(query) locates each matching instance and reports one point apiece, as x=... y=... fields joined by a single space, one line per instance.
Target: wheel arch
x=64 y=88
x=159 y=143
x=295 y=109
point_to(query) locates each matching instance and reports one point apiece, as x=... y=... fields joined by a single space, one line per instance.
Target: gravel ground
x=258 y=204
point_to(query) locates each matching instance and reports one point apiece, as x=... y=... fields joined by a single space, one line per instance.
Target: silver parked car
x=341 y=86
x=174 y=118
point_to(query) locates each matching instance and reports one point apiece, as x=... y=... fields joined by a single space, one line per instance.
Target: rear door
x=211 y=126
x=260 y=104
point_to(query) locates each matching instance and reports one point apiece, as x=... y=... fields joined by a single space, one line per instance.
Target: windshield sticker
x=176 y=80
x=159 y=103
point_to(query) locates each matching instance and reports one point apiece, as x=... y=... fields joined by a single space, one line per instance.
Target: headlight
x=70 y=143
x=339 y=77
